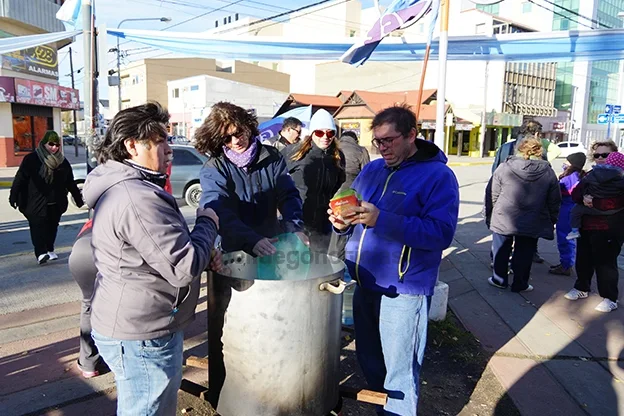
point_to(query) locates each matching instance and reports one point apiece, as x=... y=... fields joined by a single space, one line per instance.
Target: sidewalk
x=553 y=356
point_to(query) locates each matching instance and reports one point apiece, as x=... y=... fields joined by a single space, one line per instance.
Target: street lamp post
x=142 y=19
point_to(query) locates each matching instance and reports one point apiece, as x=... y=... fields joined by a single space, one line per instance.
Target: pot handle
x=337 y=286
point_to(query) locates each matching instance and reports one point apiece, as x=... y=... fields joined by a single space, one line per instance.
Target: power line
x=559 y=14
x=596 y=22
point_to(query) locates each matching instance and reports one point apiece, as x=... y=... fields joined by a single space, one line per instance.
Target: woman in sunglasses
x=40 y=190
x=599 y=151
x=246 y=183
x=318 y=168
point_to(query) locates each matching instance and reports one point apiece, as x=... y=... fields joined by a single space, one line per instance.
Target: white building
x=190 y=100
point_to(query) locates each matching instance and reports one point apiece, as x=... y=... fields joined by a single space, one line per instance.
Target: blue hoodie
x=419 y=205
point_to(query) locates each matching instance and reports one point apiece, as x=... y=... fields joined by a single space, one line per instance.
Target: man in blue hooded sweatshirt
x=408 y=216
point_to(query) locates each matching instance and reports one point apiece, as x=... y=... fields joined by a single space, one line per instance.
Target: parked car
x=184 y=178
x=568 y=148
x=68 y=140
x=178 y=140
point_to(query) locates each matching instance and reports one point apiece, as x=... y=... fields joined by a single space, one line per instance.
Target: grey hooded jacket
x=148 y=262
x=523 y=198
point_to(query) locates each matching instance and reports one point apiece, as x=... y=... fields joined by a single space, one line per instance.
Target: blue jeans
x=148 y=373
x=567 y=248
x=391 y=334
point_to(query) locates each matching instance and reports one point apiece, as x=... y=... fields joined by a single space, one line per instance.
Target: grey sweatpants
x=83 y=270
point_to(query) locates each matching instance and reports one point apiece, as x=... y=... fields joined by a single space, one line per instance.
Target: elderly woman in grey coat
x=522 y=205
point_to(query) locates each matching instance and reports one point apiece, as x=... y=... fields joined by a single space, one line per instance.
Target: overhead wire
x=560 y=14
x=576 y=13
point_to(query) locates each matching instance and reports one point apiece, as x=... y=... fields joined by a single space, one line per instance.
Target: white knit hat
x=322 y=120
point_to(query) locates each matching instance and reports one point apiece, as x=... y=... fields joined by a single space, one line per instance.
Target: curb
x=5 y=184
x=468 y=163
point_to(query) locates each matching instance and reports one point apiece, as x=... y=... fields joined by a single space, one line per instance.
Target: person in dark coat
x=601 y=231
x=356 y=157
x=289 y=134
x=318 y=168
x=83 y=270
x=525 y=202
x=246 y=182
x=40 y=190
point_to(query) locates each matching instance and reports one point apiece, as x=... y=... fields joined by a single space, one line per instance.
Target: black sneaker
x=537 y=258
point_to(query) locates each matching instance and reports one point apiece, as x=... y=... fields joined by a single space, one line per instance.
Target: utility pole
x=484 y=115
x=71 y=69
x=90 y=80
x=440 y=136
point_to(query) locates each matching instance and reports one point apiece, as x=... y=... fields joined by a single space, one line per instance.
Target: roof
x=316 y=100
x=374 y=102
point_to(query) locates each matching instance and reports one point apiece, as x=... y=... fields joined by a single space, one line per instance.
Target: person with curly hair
x=523 y=206
x=318 y=168
x=246 y=182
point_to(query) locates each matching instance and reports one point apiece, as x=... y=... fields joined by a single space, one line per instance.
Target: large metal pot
x=274 y=345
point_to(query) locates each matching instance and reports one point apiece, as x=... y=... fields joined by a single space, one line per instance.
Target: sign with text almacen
x=49 y=95
x=41 y=61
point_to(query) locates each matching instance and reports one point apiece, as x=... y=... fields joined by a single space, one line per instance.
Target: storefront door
x=30 y=124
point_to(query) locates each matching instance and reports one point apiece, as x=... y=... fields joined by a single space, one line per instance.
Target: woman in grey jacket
x=149 y=263
x=522 y=206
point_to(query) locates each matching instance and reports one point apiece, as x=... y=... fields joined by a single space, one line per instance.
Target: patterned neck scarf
x=242 y=160
x=49 y=161
x=149 y=175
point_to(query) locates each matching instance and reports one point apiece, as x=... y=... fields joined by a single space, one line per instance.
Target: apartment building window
x=274 y=66
x=194 y=87
x=527 y=7
x=490 y=8
x=352 y=33
x=175 y=93
x=136 y=79
x=480 y=29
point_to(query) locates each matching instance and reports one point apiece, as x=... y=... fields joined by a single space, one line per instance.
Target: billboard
x=7 y=90
x=41 y=61
x=49 y=95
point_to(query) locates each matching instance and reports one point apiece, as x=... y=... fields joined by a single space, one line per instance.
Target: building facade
x=146 y=79
x=190 y=100
x=30 y=98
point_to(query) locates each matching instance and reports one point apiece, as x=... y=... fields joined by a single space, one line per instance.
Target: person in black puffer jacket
x=40 y=190
x=318 y=168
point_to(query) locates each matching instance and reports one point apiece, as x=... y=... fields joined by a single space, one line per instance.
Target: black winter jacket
x=247 y=202
x=32 y=193
x=356 y=157
x=318 y=179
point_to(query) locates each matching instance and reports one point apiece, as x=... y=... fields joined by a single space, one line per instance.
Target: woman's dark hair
x=306 y=145
x=570 y=170
x=400 y=116
x=212 y=135
x=144 y=123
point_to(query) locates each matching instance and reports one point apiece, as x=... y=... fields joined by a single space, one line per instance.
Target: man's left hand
x=366 y=214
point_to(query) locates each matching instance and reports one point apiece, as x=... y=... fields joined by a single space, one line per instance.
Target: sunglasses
x=320 y=133
x=600 y=155
x=52 y=144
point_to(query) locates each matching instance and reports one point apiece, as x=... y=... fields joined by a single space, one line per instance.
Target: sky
x=112 y=12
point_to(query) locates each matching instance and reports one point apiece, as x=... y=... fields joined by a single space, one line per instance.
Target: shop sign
x=464 y=127
x=7 y=90
x=41 y=61
x=49 y=95
x=503 y=119
x=559 y=126
x=428 y=125
x=354 y=127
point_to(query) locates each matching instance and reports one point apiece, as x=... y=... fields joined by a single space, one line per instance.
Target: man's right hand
x=208 y=212
x=338 y=221
x=13 y=204
x=265 y=247
x=588 y=200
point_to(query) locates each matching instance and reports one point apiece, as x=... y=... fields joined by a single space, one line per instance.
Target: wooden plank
x=363 y=395
x=197 y=362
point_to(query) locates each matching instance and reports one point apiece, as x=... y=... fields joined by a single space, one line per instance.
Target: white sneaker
x=494 y=282
x=607 y=305
x=43 y=258
x=575 y=294
x=53 y=255
x=528 y=289
x=573 y=235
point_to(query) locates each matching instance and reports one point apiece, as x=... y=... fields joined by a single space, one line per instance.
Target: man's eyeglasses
x=386 y=141
x=52 y=144
x=321 y=133
x=600 y=155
